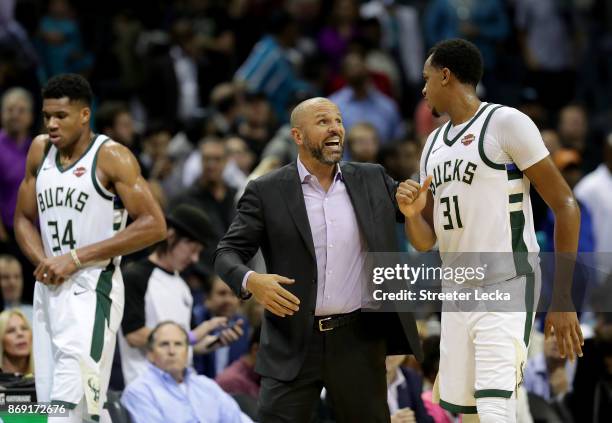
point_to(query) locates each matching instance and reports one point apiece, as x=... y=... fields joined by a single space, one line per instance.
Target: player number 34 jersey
x=74 y=208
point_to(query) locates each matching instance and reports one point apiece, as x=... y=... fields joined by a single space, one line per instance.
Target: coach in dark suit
x=313 y=219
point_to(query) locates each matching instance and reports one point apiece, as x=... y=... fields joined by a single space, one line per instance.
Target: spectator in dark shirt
x=404 y=388
x=221 y=302
x=240 y=376
x=210 y=192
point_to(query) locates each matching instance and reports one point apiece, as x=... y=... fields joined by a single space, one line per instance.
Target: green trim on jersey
x=103 y=307
x=93 y=174
x=454 y=140
x=481 y=151
x=519 y=248
x=454 y=408
x=514 y=174
x=40 y=165
x=59 y=163
x=529 y=306
x=492 y=393
x=433 y=142
x=515 y=198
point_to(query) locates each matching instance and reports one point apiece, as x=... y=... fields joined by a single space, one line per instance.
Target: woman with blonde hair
x=15 y=343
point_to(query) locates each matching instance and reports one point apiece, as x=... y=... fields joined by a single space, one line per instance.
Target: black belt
x=327 y=323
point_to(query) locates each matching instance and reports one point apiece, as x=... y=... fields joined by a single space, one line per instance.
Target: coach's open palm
x=411 y=196
x=267 y=290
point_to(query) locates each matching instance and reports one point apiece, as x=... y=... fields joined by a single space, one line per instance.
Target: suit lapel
x=291 y=189
x=358 y=193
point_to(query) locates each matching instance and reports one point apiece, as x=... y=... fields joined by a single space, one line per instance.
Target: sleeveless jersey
x=74 y=208
x=479 y=205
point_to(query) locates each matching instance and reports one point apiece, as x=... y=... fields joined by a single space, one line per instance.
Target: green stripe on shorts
x=488 y=393
x=454 y=408
x=103 y=307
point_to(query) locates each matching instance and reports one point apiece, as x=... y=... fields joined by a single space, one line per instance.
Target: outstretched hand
x=267 y=290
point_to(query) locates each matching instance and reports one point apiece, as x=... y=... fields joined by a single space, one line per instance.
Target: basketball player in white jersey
x=70 y=222
x=473 y=196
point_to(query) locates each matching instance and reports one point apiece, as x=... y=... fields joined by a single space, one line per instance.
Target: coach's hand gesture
x=411 y=196
x=267 y=290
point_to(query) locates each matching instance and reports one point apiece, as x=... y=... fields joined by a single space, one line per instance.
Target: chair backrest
x=118 y=413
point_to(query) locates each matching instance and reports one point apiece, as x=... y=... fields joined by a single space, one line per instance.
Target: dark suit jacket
x=272 y=216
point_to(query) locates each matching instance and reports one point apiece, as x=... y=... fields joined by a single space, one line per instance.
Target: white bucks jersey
x=74 y=208
x=481 y=197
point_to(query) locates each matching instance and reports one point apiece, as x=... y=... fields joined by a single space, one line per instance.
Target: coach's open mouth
x=332 y=142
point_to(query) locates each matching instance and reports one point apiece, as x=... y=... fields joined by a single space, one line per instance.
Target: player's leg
x=110 y=337
x=42 y=346
x=500 y=342
x=456 y=372
x=500 y=357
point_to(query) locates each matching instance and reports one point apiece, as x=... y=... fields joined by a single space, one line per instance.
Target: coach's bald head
x=305 y=107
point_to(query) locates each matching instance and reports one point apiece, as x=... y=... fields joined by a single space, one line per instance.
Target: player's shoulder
x=115 y=158
x=112 y=147
x=507 y=115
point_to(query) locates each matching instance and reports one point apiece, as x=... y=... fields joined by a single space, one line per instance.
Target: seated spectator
x=548 y=375
x=169 y=391
x=154 y=291
x=240 y=377
x=61 y=44
x=363 y=143
x=114 y=120
x=11 y=284
x=16 y=343
x=430 y=366
x=404 y=388
x=360 y=101
x=17 y=119
x=222 y=302
x=269 y=69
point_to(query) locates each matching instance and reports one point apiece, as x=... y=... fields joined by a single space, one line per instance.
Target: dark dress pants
x=349 y=362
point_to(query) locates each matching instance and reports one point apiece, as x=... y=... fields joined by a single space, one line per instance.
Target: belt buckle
x=321 y=328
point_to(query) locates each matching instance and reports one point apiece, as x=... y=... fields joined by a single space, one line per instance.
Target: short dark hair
x=151 y=337
x=461 y=57
x=70 y=85
x=108 y=113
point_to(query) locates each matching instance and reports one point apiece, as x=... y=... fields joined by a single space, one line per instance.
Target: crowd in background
x=201 y=92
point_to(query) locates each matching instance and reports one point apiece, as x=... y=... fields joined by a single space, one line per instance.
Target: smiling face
x=65 y=120
x=319 y=132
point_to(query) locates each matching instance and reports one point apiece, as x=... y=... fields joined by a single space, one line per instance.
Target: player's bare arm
x=26 y=211
x=416 y=204
x=118 y=170
x=559 y=197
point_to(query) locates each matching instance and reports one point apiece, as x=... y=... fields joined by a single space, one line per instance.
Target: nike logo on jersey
x=47 y=167
x=80 y=292
x=436 y=149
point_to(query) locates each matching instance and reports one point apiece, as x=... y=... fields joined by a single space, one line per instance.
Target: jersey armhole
x=104 y=193
x=481 y=151
x=433 y=142
x=44 y=157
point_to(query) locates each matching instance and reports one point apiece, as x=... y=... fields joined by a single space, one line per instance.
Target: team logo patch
x=79 y=171
x=467 y=140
